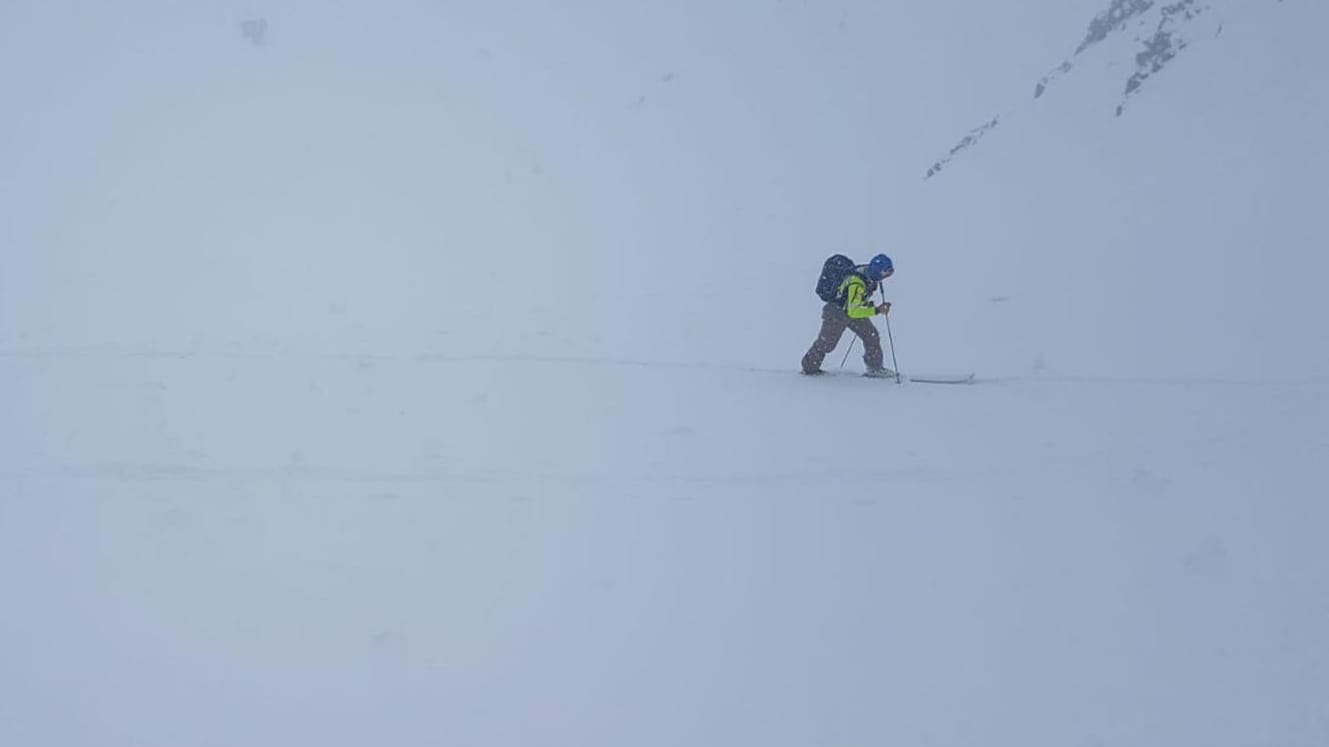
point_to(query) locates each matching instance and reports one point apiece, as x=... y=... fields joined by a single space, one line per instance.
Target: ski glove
x=884 y=308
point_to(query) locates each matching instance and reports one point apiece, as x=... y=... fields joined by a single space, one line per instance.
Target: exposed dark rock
x=965 y=143
x=1112 y=19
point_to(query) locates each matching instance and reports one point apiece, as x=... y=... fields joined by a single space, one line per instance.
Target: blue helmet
x=880 y=267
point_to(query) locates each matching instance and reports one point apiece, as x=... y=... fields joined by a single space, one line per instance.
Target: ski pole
x=891 y=338
x=848 y=350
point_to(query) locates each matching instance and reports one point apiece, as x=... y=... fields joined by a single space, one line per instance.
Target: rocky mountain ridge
x=1147 y=35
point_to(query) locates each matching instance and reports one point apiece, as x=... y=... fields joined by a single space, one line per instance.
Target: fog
x=427 y=373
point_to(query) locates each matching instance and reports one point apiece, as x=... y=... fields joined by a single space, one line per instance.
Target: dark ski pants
x=833 y=324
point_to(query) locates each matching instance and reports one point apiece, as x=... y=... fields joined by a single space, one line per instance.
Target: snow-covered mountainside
x=1171 y=229
x=1143 y=37
x=426 y=374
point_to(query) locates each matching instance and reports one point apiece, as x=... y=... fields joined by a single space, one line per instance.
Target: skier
x=850 y=305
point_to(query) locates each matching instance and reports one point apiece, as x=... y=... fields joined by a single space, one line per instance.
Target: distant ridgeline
x=1162 y=30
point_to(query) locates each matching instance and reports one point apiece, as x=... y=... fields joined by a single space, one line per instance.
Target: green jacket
x=857 y=297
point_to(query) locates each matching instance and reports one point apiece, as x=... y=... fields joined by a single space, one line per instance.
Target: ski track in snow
x=606 y=361
x=675 y=475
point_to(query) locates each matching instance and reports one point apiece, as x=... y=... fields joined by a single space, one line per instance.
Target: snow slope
x=426 y=376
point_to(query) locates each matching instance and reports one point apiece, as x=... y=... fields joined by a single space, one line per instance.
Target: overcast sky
x=425 y=373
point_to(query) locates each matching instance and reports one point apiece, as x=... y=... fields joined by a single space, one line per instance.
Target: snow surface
x=426 y=375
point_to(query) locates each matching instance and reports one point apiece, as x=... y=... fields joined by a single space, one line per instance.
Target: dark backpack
x=833 y=272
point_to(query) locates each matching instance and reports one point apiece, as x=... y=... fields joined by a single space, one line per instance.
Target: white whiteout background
x=427 y=376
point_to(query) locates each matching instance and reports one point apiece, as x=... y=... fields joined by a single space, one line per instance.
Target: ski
x=941 y=379
x=966 y=378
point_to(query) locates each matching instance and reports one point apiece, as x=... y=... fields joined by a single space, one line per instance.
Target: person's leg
x=833 y=322
x=867 y=332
